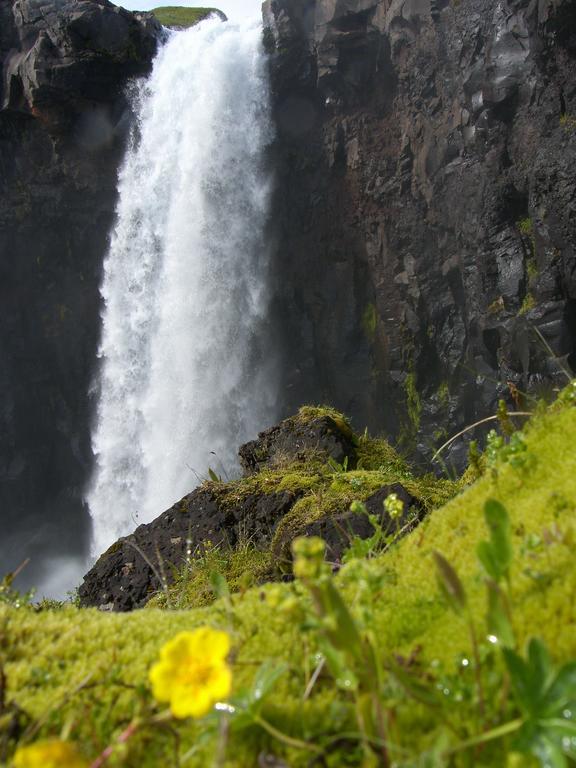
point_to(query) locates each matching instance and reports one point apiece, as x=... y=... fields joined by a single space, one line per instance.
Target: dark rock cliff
x=63 y=120
x=426 y=205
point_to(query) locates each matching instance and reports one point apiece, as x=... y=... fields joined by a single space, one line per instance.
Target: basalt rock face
x=426 y=205
x=63 y=124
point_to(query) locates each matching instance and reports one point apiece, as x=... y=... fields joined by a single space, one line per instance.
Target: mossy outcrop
x=177 y=17
x=300 y=477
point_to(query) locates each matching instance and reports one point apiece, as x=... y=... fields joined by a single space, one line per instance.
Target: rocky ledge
x=300 y=478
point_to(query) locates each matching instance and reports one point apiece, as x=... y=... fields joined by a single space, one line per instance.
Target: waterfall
x=185 y=360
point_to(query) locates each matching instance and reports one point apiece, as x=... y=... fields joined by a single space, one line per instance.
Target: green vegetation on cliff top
x=84 y=673
x=176 y=16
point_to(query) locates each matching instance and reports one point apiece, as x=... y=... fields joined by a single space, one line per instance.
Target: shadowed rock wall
x=63 y=123
x=426 y=205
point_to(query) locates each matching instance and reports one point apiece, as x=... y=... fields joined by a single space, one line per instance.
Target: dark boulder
x=295 y=438
x=133 y=569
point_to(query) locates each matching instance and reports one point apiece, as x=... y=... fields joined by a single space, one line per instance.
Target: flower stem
x=122 y=739
x=483 y=738
x=283 y=737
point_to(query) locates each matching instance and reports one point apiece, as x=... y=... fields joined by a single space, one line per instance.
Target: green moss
x=444 y=394
x=568 y=122
x=377 y=454
x=309 y=413
x=526 y=227
x=413 y=410
x=298 y=477
x=336 y=495
x=531 y=268
x=528 y=304
x=86 y=671
x=370 y=321
x=176 y=16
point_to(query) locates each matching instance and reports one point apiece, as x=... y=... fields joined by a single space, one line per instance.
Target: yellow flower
x=192 y=673
x=51 y=753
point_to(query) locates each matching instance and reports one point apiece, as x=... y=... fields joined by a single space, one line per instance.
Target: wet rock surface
x=64 y=118
x=425 y=212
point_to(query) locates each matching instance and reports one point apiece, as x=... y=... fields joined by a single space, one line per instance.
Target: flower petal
x=219 y=644
x=221 y=683
x=179 y=649
x=161 y=677
x=191 y=703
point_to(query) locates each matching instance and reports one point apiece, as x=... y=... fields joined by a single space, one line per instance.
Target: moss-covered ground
x=83 y=673
x=177 y=16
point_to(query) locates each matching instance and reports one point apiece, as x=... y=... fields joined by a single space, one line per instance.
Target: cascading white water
x=186 y=373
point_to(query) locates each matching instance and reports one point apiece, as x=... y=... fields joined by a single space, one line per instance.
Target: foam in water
x=186 y=373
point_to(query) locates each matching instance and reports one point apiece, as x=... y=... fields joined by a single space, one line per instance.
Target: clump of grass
x=526 y=227
x=198 y=582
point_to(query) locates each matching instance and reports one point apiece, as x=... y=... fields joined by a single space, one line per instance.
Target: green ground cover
x=82 y=674
x=176 y=16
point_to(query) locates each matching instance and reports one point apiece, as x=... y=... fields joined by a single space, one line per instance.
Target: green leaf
x=213 y=476
x=486 y=556
x=561 y=732
x=561 y=693
x=345 y=635
x=219 y=584
x=334 y=464
x=450 y=583
x=497 y=617
x=540 y=666
x=265 y=680
x=519 y=678
x=413 y=687
x=498 y=521
x=549 y=752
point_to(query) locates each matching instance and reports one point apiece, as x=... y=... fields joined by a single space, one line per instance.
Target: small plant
x=513 y=452
x=546 y=698
x=11 y=596
x=526 y=227
x=568 y=122
x=349 y=654
x=336 y=467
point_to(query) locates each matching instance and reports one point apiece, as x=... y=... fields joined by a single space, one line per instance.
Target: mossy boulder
x=321 y=431
x=299 y=480
x=137 y=566
x=340 y=529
